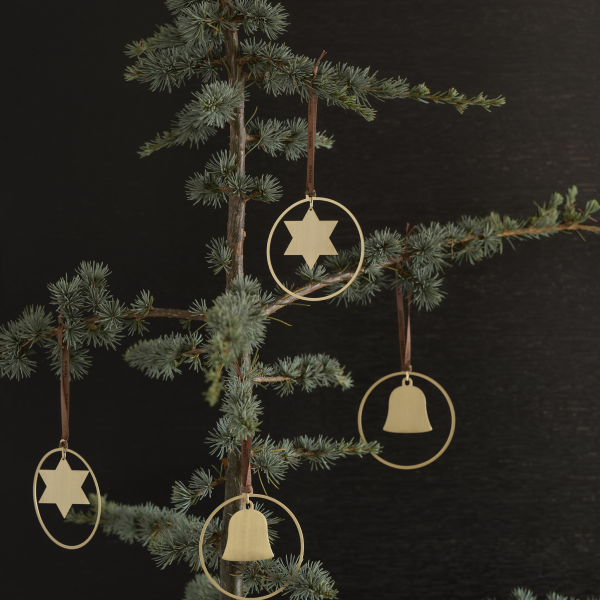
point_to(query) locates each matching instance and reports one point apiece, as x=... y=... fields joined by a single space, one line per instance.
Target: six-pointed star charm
x=310 y=237
x=63 y=487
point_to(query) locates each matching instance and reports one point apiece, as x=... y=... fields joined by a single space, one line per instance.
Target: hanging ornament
x=63 y=484
x=248 y=535
x=407 y=409
x=310 y=236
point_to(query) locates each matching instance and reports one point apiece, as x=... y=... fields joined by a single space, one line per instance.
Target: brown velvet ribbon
x=246 y=466
x=312 y=132
x=404 y=328
x=64 y=383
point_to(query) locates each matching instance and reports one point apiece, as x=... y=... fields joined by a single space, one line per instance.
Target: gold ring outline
x=35 y=500
x=452 y=426
x=362 y=250
x=214 y=512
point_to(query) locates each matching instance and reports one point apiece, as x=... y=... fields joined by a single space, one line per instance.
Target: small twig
x=274 y=319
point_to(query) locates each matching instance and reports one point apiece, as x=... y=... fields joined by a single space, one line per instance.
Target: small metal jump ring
x=311 y=203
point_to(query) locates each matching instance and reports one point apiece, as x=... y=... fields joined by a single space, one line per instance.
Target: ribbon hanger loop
x=312 y=133
x=64 y=384
x=404 y=333
x=246 y=466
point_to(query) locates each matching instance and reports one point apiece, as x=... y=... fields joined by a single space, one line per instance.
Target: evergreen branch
x=198 y=22
x=201 y=485
x=239 y=316
x=138 y=524
x=421 y=257
x=167 y=36
x=168 y=68
x=211 y=109
x=275 y=458
x=525 y=594
x=168 y=535
x=236 y=321
x=308 y=371
x=219 y=255
x=162 y=357
x=311 y=582
x=237 y=327
x=321 y=452
x=276 y=69
x=220 y=180
x=287 y=137
x=17 y=339
x=200 y=588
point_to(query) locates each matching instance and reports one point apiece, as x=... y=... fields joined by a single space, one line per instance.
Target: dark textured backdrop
x=515 y=500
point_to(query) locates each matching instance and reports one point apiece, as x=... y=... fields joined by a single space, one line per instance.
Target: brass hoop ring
x=360 y=262
x=452 y=427
x=214 y=512
x=35 y=501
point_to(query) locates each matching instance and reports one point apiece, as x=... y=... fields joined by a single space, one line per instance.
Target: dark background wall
x=515 y=500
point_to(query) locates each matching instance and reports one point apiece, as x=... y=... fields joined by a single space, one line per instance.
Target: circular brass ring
x=452 y=427
x=35 y=501
x=360 y=262
x=214 y=512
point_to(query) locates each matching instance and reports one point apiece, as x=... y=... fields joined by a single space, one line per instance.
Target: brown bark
x=230 y=580
x=235 y=241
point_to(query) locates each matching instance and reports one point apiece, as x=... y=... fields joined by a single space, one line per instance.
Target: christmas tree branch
x=308 y=371
x=222 y=179
x=272 y=458
x=200 y=486
x=86 y=292
x=200 y=588
x=525 y=594
x=169 y=535
x=275 y=458
x=420 y=257
x=310 y=582
x=276 y=69
x=287 y=137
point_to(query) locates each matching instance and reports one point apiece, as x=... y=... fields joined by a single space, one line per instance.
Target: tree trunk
x=235 y=241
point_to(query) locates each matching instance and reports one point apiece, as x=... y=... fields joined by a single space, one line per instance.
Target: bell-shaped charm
x=248 y=537
x=407 y=411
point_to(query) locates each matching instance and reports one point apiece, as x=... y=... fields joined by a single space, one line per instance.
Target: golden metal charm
x=64 y=489
x=63 y=486
x=212 y=515
x=310 y=237
x=450 y=405
x=248 y=536
x=308 y=243
x=407 y=411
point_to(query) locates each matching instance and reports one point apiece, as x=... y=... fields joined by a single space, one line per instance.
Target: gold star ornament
x=310 y=237
x=63 y=487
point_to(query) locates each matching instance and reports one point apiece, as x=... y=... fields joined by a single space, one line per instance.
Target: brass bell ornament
x=407 y=407
x=248 y=533
x=248 y=537
x=407 y=411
